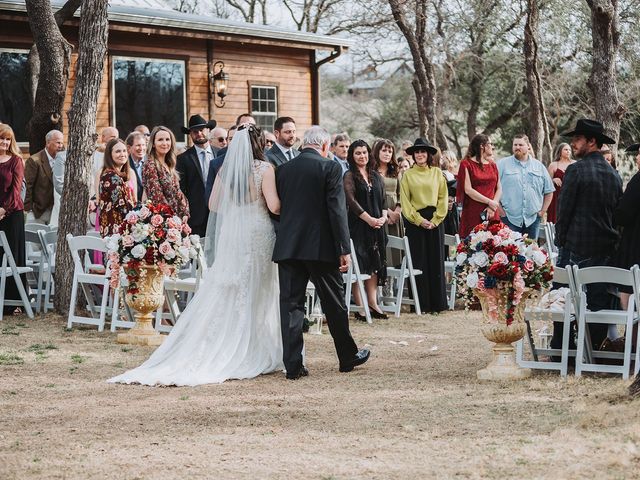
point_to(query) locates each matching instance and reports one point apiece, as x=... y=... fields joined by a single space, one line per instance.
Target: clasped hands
x=3 y=212
x=377 y=222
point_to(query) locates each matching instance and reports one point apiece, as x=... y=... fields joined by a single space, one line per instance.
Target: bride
x=231 y=327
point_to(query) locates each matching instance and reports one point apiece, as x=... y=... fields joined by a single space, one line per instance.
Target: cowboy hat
x=196 y=121
x=590 y=129
x=635 y=148
x=421 y=144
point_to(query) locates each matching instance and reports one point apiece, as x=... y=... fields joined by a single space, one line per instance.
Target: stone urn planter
x=494 y=327
x=145 y=301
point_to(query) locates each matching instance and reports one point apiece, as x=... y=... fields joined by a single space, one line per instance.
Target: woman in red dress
x=478 y=184
x=561 y=160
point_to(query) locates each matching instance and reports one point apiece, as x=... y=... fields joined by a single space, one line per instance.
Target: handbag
x=427 y=212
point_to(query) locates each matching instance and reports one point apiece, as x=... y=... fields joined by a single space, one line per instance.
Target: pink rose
x=501 y=257
x=127 y=241
x=164 y=248
x=171 y=223
x=504 y=233
x=131 y=218
x=144 y=212
x=528 y=265
x=173 y=235
x=186 y=229
x=157 y=220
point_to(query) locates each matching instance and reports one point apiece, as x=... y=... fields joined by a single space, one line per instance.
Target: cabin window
x=264 y=105
x=15 y=98
x=149 y=91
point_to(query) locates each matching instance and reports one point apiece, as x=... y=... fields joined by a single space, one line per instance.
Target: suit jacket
x=214 y=167
x=39 y=181
x=276 y=157
x=192 y=185
x=313 y=214
x=138 y=177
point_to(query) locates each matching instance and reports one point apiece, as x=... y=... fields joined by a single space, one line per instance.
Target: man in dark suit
x=282 y=151
x=193 y=167
x=137 y=148
x=313 y=242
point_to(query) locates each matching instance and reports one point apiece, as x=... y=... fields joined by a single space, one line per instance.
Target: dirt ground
x=413 y=411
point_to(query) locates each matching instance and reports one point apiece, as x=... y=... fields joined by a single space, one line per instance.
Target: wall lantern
x=219 y=83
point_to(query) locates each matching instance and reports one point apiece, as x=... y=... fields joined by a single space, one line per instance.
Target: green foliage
x=10 y=359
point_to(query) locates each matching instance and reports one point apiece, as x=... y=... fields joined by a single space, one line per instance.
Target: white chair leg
x=564 y=358
x=103 y=307
x=580 y=346
x=414 y=290
x=347 y=295
x=72 y=303
x=401 y=281
x=115 y=310
x=23 y=295
x=3 y=283
x=628 y=340
x=365 y=301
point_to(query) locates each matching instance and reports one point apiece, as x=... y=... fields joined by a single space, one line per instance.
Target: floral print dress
x=116 y=200
x=163 y=187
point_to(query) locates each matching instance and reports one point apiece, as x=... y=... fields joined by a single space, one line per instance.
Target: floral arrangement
x=494 y=259
x=150 y=235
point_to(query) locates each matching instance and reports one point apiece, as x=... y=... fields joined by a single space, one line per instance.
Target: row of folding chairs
x=576 y=309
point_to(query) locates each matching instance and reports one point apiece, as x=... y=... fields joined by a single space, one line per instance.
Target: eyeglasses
x=147 y=134
x=222 y=139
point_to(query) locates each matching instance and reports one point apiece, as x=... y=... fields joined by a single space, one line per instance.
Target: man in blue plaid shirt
x=585 y=232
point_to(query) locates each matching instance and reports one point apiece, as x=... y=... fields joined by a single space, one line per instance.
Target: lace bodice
x=258 y=171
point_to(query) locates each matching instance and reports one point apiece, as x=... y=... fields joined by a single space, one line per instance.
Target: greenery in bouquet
x=149 y=235
x=493 y=260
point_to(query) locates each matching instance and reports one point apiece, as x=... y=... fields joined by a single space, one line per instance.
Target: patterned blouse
x=162 y=186
x=116 y=200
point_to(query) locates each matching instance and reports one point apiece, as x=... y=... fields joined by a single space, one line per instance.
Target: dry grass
x=411 y=412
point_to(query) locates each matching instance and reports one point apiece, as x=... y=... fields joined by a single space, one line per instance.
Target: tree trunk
x=92 y=50
x=424 y=83
x=602 y=81
x=55 y=57
x=539 y=130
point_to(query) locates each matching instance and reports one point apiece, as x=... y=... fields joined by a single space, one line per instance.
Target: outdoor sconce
x=219 y=83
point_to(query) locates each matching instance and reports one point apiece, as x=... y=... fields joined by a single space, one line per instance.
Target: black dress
x=627 y=215
x=370 y=243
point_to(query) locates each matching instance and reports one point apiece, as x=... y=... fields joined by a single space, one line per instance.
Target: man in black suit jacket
x=313 y=242
x=137 y=147
x=193 y=166
x=282 y=151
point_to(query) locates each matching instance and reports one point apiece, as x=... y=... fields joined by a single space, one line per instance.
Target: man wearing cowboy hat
x=193 y=167
x=585 y=231
x=634 y=149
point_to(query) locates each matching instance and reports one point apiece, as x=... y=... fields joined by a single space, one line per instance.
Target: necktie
x=289 y=155
x=205 y=164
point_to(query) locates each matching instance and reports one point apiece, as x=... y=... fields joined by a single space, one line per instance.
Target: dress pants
x=294 y=276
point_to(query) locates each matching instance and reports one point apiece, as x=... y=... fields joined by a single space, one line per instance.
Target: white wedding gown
x=231 y=327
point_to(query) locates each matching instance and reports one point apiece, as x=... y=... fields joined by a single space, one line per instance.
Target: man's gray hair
x=50 y=134
x=316 y=136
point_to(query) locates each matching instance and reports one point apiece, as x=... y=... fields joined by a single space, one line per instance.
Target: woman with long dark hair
x=478 y=187
x=424 y=199
x=561 y=160
x=160 y=179
x=115 y=196
x=364 y=189
x=11 y=206
x=385 y=164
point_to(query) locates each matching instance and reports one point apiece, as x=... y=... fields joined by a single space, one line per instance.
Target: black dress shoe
x=378 y=315
x=360 y=357
x=303 y=372
x=359 y=316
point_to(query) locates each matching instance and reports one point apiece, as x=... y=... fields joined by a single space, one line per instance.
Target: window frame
x=25 y=143
x=115 y=56
x=257 y=84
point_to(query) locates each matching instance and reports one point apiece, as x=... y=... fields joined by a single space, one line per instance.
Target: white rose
x=170 y=255
x=480 y=259
x=138 y=251
x=112 y=242
x=461 y=258
x=195 y=240
x=472 y=280
x=140 y=232
x=184 y=253
x=539 y=257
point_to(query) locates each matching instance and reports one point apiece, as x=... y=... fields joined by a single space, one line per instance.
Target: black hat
x=421 y=144
x=635 y=148
x=590 y=129
x=196 y=121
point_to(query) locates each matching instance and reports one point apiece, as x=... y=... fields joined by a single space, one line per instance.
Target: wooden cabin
x=160 y=63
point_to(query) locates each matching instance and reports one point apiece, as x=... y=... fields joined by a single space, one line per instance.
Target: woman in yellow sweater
x=423 y=197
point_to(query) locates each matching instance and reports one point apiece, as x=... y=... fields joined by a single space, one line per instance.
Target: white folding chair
x=560 y=275
x=85 y=274
x=550 y=239
x=8 y=268
x=48 y=245
x=584 y=354
x=450 y=268
x=352 y=276
x=174 y=286
x=398 y=276
x=34 y=259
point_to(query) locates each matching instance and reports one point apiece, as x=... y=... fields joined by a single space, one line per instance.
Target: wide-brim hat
x=635 y=148
x=590 y=129
x=197 y=121
x=421 y=144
